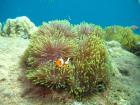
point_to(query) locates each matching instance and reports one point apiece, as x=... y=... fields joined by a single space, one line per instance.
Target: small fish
x=59 y=62
x=134 y=27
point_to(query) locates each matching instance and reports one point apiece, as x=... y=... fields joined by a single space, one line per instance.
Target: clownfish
x=60 y=62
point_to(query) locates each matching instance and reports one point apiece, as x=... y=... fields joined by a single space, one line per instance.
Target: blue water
x=101 y=12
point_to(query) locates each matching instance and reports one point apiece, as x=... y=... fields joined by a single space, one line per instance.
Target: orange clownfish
x=60 y=62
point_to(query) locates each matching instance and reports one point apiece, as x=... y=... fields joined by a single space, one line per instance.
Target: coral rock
x=137 y=48
x=20 y=26
x=113 y=44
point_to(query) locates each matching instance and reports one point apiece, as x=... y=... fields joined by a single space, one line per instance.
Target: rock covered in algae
x=124 y=35
x=126 y=75
x=137 y=49
x=20 y=26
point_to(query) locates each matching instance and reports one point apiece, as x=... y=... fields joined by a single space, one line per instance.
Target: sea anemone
x=85 y=72
x=86 y=29
x=63 y=27
x=91 y=65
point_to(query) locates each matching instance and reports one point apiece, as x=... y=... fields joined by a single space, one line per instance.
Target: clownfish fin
x=67 y=61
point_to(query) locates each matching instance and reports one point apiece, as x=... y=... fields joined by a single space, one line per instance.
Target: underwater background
x=100 y=12
x=69 y=52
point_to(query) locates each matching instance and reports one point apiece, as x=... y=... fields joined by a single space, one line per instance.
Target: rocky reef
x=124 y=35
x=98 y=68
x=20 y=26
